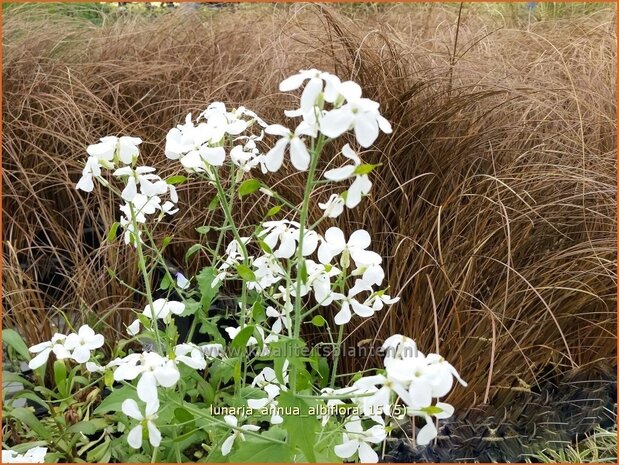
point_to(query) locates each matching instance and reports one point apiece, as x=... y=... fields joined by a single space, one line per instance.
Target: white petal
x=81 y=354
x=351 y=154
x=226 y=447
x=299 y=156
x=291 y=83
x=310 y=94
x=275 y=157
x=133 y=328
x=367 y=454
x=154 y=436
x=336 y=122
x=147 y=387
x=213 y=155
x=350 y=90
x=366 y=129
x=168 y=375
x=427 y=433
x=40 y=359
x=278 y=130
x=344 y=315
x=347 y=449
x=360 y=238
x=334 y=236
x=383 y=124
x=340 y=174
x=130 y=408
x=85 y=183
x=361 y=310
x=134 y=438
x=176 y=307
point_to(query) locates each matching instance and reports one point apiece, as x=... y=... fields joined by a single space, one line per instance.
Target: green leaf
x=111 y=235
x=240 y=341
x=365 y=169
x=113 y=402
x=166 y=241
x=301 y=427
x=12 y=339
x=175 y=180
x=9 y=377
x=208 y=292
x=165 y=283
x=25 y=416
x=60 y=376
x=213 y=204
x=274 y=211
x=183 y=415
x=30 y=396
x=88 y=427
x=257 y=450
x=192 y=250
x=249 y=186
x=257 y=312
x=245 y=272
x=319 y=321
x=203 y=229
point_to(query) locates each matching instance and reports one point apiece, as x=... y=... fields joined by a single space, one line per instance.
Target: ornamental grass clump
x=261 y=393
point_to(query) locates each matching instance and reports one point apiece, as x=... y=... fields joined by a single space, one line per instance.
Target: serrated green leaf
x=208 y=292
x=249 y=186
x=301 y=428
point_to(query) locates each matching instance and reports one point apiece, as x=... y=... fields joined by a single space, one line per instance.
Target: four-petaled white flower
x=226 y=447
x=91 y=170
x=43 y=349
x=333 y=207
x=150 y=184
x=124 y=148
x=82 y=343
x=134 y=438
x=360 y=186
x=299 y=156
x=360 y=114
x=335 y=243
x=357 y=440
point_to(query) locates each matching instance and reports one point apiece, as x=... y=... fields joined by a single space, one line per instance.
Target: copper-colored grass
x=494 y=205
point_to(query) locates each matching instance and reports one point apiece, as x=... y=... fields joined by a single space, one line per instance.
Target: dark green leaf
x=113 y=402
x=301 y=427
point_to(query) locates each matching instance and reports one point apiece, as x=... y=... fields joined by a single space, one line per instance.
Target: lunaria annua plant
x=261 y=394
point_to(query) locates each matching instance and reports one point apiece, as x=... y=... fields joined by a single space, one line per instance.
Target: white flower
x=356 y=440
x=124 y=149
x=82 y=343
x=91 y=170
x=32 y=455
x=360 y=114
x=163 y=309
x=270 y=401
x=226 y=447
x=282 y=319
x=190 y=144
x=134 y=438
x=361 y=185
x=335 y=243
x=333 y=207
x=212 y=350
x=150 y=184
x=380 y=400
x=299 y=156
x=286 y=233
x=348 y=302
x=320 y=82
x=182 y=281
x=153 y=369
x=191 y=355
x=268 y=272
x=140 y=206
x=56 y=345
x=233 y=258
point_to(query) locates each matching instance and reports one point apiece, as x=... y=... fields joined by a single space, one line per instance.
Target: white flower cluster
x=122 y=153
x=32 y=455
x=412 y=378
x=200 y=147
x=75 y=346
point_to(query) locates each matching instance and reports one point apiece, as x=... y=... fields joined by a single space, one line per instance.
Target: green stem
x=309 y=186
